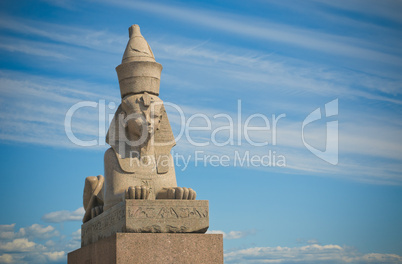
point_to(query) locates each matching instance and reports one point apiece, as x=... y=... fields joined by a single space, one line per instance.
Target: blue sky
x=270 y=57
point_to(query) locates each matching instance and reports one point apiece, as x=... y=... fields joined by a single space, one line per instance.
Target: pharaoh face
x=143 y=115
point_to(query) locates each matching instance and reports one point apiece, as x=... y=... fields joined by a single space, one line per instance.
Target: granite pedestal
x=128 y=248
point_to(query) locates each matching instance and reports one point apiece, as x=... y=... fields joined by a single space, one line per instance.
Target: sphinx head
x=140 y=120
x=142 y=114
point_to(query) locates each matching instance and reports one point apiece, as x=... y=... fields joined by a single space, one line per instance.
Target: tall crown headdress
x=138 y=71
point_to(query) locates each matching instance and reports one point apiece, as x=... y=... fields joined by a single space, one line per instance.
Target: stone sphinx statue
x=139 y=164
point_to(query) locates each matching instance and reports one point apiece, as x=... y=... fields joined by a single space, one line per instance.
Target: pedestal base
x=128 y=248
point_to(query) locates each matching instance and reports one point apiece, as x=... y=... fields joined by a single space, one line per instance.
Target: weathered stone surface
x=148 y=216
x=152 y=248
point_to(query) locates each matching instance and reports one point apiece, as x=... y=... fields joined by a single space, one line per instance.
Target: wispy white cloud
x=289 y=75
x=32 y=48
x=64 y=216
x=67 y=4
x=270 y=71
x=43 y=103
x=358 y=23
x=308 y=254
x=94 y=39
x=354 y=133
x=387 y=9
x=262 y=29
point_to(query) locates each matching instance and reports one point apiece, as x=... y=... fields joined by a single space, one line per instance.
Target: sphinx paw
x=137 y=192
x=181 y=193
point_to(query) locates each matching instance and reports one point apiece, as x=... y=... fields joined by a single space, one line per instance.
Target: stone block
x=128 y=248
x=148 y=216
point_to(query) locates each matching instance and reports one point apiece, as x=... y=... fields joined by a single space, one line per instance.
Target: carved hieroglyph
x=148 y=216
x=139 y=164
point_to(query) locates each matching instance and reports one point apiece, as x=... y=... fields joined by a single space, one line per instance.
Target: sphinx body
x=139 y=157
x=139 y=164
